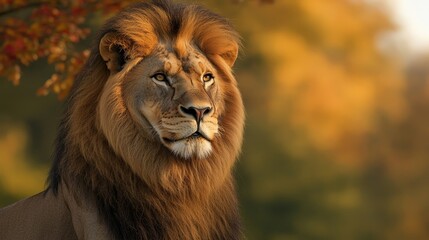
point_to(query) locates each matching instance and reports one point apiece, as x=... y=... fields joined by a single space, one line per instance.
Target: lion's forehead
x=192 y=62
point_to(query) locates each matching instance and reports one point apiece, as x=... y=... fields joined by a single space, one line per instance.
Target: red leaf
x=14 y=48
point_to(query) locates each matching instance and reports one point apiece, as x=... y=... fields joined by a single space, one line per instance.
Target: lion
x=151 y=131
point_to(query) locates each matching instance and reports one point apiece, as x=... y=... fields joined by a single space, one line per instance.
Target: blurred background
x=337 y=100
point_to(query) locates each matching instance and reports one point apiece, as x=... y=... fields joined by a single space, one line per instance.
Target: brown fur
x=112 y=161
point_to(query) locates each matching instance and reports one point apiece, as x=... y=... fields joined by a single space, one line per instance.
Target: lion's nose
x=197 y=113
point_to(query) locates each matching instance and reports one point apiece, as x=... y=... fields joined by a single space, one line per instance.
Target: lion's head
x=174 y=95
x=158 y=92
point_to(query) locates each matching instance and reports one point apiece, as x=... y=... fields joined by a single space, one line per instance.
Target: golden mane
x=141 y=189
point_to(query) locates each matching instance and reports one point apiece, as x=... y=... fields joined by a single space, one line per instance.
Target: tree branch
x=17 y=9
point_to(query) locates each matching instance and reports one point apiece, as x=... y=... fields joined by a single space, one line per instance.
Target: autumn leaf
x=47 y=30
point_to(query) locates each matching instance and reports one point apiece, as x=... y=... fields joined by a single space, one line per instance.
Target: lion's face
x=179 y=100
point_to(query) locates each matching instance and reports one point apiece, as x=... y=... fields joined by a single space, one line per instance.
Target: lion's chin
x=187 y=148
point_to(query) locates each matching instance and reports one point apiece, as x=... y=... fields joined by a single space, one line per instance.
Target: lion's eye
x=208 y=77
x=159 y=77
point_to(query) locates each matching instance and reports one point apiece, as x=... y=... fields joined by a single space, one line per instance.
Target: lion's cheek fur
x=114 y=122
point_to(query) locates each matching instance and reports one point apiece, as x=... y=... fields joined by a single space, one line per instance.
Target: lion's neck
x=132 y=210
x=168 y=217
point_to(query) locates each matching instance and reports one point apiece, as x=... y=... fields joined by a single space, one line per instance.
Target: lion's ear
x=230 y=53
x=224 y=48
x=114 y=49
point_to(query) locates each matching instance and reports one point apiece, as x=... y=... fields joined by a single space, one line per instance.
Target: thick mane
x=141 y=190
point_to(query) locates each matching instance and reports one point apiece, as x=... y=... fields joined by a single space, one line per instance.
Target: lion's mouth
x=194 y=136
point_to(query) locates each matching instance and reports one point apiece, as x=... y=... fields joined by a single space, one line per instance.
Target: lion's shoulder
x=42 y=216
